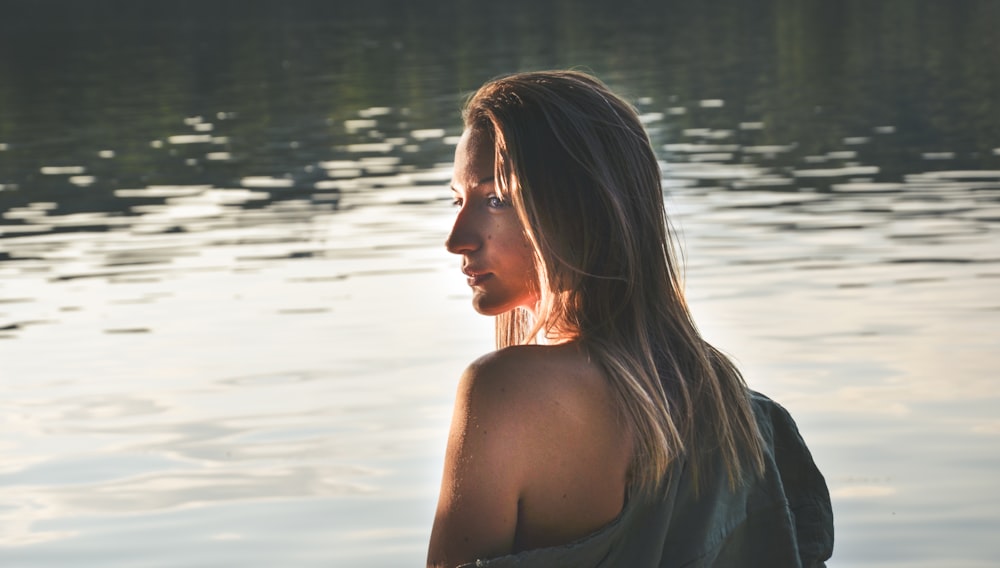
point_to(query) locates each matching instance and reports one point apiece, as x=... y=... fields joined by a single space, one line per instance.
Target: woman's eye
x=495 y=202
x=456 y=202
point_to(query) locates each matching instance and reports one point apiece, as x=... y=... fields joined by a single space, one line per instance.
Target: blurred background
x=230 y=334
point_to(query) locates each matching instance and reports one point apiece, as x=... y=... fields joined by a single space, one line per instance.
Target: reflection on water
x=229 y=333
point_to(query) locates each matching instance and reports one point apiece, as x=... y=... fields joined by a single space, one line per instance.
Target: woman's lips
x=477 y=278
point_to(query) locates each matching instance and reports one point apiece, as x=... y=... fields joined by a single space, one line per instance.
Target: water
x=229 y=332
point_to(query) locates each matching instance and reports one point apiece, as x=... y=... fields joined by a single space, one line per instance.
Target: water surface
x=229 y=332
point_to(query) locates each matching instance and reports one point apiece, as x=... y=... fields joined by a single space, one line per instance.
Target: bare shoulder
x=536 y=369
x=536 y=455
x=520 y=400
x=553 y=411
x=553 y=405
x=519 y=390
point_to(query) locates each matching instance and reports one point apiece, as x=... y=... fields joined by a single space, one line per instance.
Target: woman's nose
x=463 y=238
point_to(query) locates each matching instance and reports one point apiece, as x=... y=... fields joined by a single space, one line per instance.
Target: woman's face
x=497 y=256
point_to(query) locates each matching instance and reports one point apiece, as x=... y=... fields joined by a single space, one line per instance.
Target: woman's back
x=542 y=450
x=782 y=518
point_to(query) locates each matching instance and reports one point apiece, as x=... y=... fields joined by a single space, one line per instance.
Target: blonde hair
x=578 y=167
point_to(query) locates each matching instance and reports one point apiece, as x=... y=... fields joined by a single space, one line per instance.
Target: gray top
x=781 y=519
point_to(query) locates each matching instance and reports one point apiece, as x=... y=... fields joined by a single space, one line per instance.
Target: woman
x=604 y=431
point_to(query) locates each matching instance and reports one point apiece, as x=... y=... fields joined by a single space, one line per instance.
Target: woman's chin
x=486 y=309
x=488 y=306
x=493 y=304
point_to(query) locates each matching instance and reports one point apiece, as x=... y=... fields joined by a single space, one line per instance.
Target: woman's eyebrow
x=479 y=183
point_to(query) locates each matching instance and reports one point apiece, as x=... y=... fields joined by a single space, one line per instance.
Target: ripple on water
x=62 y=170
x=845 y=171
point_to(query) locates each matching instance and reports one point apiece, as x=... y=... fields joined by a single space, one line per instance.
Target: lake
x=230 y=333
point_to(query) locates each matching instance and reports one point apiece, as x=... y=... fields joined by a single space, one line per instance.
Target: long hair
x=578 y=167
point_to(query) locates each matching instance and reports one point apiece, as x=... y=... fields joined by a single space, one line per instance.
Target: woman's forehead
x=474 y=160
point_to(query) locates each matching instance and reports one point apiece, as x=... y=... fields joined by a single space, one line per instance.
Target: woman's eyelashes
x=492 y=201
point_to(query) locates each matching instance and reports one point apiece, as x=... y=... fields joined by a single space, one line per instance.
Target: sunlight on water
x=241 y=361
x=232 y=337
